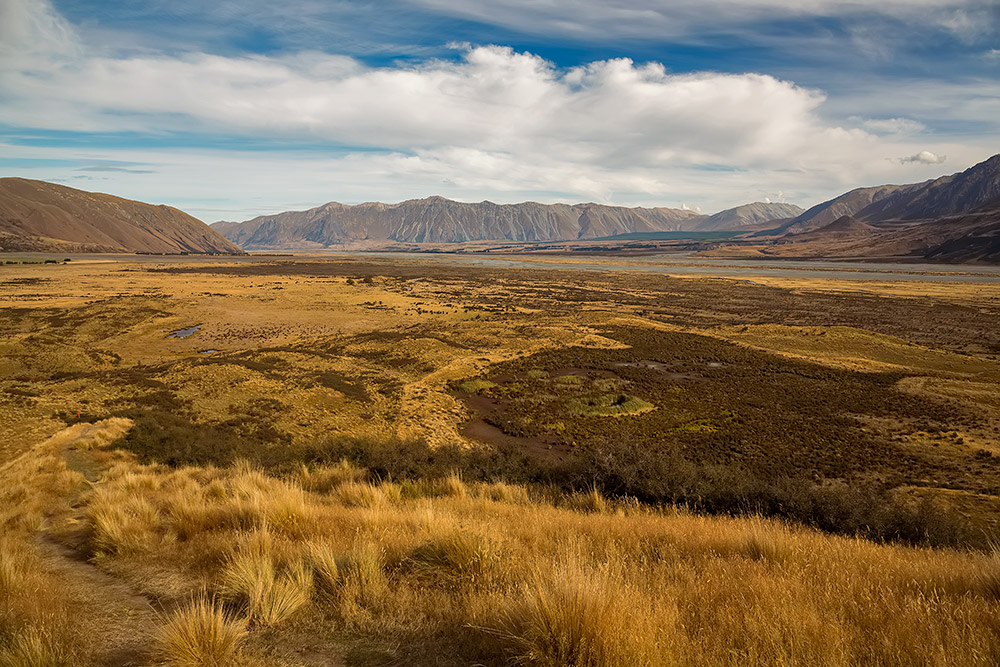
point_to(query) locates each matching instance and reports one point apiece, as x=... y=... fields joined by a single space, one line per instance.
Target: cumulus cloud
x=924 y=157
x=491 y=110
x=490 y=122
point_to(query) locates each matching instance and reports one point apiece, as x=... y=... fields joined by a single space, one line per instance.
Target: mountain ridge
x=47 y=217
x=439 y=220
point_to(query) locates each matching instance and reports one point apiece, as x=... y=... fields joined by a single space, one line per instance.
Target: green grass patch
x=475 y=386
x=608 y=405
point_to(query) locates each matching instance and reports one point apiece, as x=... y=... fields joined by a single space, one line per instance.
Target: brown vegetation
x=304 y=495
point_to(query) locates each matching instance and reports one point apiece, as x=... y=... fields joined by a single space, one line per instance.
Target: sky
x=231 y=109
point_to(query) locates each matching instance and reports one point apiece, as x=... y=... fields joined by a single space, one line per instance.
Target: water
x=686 y=265
x=673 y=264
x=184 y=333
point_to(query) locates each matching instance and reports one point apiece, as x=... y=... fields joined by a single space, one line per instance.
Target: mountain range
x=45 y=217
x=952 y=218
x=440 y=220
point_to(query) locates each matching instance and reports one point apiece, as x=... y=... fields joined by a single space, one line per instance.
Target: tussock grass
x=502 y=492
x=34 y=648
x=323 y=479
x=450 y=485
x=575 y=618
x=263 y=594
x=365 y=583
x=123 y=520
x=492 y=573
x=31 y=611
x=987 y=578
x=200 y=634
x=326 y=572
x=358 y=494
x=590 y=501
x=460 y=555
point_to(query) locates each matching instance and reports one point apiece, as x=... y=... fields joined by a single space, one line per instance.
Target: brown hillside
x=41 y=216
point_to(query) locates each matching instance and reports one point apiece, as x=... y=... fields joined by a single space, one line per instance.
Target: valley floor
x=388 y=461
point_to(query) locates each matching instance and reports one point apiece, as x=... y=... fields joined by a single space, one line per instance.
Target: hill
x=41 y=216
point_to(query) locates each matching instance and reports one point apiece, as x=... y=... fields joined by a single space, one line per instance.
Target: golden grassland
x=238 y=567
x=111 y=554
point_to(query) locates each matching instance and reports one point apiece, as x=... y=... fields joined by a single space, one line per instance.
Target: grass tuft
x=363 y=574
x=34 y=647
x=265 y=596
x=326 y=573
x=200 y=634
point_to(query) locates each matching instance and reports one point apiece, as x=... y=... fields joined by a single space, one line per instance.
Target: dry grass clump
x=133 y=500
x=323 y=479
x=575 y=618
x=363 y=577
x=502 y=492
x=123 y=521
x=31 y=611
x=358 y=494
x=987 y=578
x=265 y=595
x=459 y=556
x=326 y=572
x=450 y=486
x=34 y=648
x=590 y=501
x=200 y=634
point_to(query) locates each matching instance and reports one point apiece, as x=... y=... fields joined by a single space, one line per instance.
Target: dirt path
x=114 y=624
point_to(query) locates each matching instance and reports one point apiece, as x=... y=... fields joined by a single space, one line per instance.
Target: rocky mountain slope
x=749 y=215
x=954 y=218
x=440 y=220
x=976 y=189
x=41 y=216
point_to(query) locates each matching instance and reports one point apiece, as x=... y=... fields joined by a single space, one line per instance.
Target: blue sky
x=232 y=109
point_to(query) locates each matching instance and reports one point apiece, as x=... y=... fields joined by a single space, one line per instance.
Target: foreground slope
x=328 y=566
x=41 y=216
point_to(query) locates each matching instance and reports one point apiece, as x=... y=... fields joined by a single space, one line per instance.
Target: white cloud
x=492 y=109
x=681 y=18
x=493 y=123
x=924 y=157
